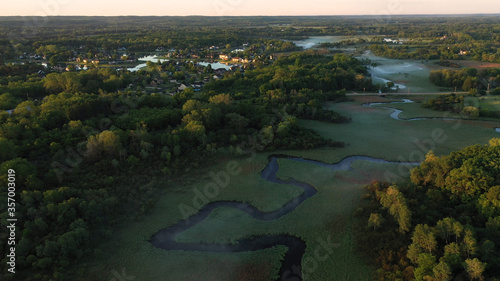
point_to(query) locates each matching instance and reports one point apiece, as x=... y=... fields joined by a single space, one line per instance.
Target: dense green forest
x=85 y=135
x=442 y=225
x=89 y=125
x=466 y=105
x=468 y=79
x=451 y=37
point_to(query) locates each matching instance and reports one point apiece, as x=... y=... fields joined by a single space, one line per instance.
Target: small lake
x=316 y=40
x=215 y=65
x=145 y=59
x=155 y=59
x=407 y=74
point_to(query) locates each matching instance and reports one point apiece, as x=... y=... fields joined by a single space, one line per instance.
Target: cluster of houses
x=235 y=59
x=97 y=61
x=180 y=86
x=81 y=61
x=210 y=56
x=32 y=57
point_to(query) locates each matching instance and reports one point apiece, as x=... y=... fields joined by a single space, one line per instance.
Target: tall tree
x=375 y=220
x=475 y=268
x=425 y=237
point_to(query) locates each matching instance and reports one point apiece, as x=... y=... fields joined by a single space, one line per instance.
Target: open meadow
x=326 y=216
x=409 y=75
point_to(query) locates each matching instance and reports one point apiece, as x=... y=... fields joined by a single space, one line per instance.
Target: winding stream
x=291 y=265
x=396 y=112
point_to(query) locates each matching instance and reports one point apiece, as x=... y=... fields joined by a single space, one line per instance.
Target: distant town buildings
x=393 y=41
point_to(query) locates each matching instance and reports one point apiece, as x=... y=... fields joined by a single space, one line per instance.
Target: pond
x=407 y=74
x=316 y=40
x=145 y=59
x=215 y=65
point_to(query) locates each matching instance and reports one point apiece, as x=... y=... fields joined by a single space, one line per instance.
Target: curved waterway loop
x=396 y=112
x=291 y=265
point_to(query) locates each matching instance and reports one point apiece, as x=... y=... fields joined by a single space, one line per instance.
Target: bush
x=495 y=91
x=472 y=111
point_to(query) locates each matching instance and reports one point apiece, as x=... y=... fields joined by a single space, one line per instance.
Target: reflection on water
x=155 y=59
x=383 y=80
x=316 y=40
x=215 y=65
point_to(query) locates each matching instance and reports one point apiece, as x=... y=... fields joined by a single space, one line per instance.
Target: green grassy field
x=326 y=215
x=413 y=74
x=491 y=103
x=372 y=132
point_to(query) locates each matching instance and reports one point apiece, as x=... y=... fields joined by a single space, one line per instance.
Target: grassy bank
x=328 y=215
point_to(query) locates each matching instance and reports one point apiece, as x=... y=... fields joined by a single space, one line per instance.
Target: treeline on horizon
x=479 y=34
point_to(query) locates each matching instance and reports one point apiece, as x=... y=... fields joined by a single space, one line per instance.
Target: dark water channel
x=291 y=265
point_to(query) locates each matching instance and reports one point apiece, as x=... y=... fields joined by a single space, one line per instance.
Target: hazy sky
x=245 y=7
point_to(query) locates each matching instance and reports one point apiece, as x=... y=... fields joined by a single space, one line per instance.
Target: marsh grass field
x=410 y=75
x=491 y=103
x=329 y=214
x=413 y=75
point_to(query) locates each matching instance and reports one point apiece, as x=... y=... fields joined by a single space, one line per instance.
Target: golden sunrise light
x=244 y=7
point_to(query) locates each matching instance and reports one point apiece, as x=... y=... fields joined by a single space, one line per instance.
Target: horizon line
x=243 y=16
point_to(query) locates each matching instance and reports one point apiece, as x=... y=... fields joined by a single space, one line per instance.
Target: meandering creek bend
x=291 y=265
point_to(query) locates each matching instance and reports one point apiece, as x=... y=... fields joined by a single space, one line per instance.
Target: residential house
x=213 y=55
x=156 y=82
